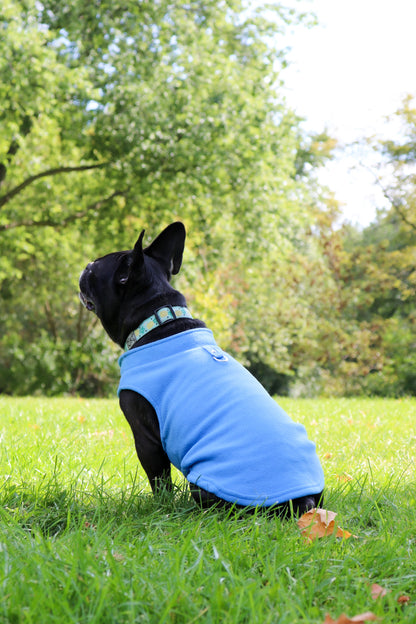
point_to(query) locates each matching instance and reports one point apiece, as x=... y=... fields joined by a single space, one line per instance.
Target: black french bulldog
x=188 y=402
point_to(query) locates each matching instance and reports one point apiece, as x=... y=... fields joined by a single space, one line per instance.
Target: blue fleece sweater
x=218 y=425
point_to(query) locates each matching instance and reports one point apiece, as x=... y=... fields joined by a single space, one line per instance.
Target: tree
x=369 y=342
x=394 y=239
x=400 y=157
x=128 y=115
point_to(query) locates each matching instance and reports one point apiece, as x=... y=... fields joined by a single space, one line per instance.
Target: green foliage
x=378 y=277
x=123 y=116
x=141 y=113
x=366 y=344
x=357 y=292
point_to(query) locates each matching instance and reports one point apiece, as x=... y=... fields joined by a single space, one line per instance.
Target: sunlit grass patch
x=83 y=540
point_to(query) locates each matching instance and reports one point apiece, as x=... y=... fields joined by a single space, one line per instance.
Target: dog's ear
x=168 y=247
x=132 y=262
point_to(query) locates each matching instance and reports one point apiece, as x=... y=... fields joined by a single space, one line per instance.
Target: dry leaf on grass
x=357 y=619
x=318 y=523
x=403 y=599
x=377 y=591
x=344 y=477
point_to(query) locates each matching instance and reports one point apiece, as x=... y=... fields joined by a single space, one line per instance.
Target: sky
x=347 y=75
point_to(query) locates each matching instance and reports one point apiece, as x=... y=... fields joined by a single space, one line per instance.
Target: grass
x=83 y=541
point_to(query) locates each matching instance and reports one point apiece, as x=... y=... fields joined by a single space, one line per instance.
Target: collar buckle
x=165 y=314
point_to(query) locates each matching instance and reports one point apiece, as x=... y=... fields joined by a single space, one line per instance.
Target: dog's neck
x=162 y=320
x=161 y=316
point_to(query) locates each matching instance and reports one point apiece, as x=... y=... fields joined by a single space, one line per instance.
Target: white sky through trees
x=347 y=74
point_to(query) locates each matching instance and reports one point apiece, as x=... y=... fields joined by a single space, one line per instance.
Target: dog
x=188 y=402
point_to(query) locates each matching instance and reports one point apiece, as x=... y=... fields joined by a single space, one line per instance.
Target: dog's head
x=120 y=286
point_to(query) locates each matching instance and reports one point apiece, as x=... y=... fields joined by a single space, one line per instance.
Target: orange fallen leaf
x=344 y=534
x=357 y=619
x=377 y=591
x=344 y=477
x=81 y=418
x=327 y=455
x=316 y=515
x=318 y=523
x=403 y=599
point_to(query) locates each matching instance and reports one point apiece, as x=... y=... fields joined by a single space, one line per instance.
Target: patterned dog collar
x=161 y=316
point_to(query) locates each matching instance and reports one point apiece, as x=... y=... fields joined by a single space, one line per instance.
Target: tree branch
x=395 y=204
x=73 y=217
x=397 y=207
x=49 y=172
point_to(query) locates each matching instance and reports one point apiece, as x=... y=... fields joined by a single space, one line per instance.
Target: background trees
x=384 y=256
x=366 y=342
x=119 y=116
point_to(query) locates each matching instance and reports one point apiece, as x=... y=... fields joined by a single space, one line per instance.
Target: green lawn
x=82 y=540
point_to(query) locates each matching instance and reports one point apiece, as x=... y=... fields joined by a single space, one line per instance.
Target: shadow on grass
x=51 y=508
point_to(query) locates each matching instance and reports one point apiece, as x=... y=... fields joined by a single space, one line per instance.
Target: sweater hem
x=260 y=500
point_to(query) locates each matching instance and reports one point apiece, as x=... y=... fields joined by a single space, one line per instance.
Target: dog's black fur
x=123 y=289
